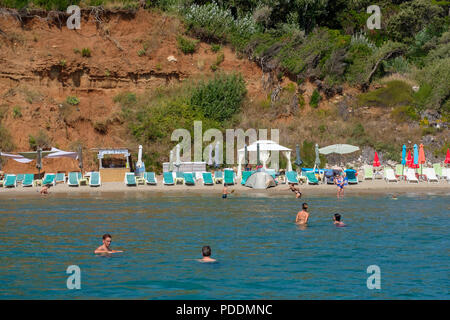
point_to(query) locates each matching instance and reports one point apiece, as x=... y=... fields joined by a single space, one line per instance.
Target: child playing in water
x=337 y=220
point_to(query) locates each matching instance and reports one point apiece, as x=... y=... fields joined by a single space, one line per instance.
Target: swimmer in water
x=296 y=190
x=206 y=253
x=394 y=197
x=225 y=192
x=104 y=248
x=302 y=216
x=337 y=220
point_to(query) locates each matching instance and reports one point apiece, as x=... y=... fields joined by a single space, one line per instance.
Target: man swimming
x=337 y=220
x=104 y=248
x=296 y=190
x=206 y=253
x=302 y=216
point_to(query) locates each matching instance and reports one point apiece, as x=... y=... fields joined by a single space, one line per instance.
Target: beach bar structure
x=112 y=173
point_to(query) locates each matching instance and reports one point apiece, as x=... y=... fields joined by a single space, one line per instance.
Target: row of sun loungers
x=51 y=179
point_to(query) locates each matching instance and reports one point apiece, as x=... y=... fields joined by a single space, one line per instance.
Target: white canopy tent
x=265 y=147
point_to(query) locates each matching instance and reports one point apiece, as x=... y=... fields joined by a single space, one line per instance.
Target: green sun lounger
x=438 y=170
x=150 y=178
x=130 y=179
x=245 y=176
x=368 y=172
x=95 y=180
x=207 y=179
x=311 y=177
x=351 y=177
x=28 y=180
x=168 y=178
x=229 y=176
x=73 y=180
x=218 y=177
x=20 y=177
x=189 y=178
x=49 y=179
x=291 y=177
x=10 y=181
x=60 y=177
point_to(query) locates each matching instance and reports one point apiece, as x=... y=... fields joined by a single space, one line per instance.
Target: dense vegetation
x=408 y=60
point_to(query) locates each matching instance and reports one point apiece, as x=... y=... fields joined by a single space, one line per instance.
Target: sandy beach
x=364 y=187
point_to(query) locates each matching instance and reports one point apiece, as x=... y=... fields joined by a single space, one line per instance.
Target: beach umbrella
x=339 y=149
x=258 y=163
x=409 y=159
x=403 y=155
x=245 y=155
x=80 y=158
x=171 y=160
x=421 y=157
x=447 y=157
x=139 y=162
x=416 y=156
x=217 y=155
x=317 y=161
x=178 y=158
x=376 y=160
x=210 y=161
x=39 y=161
x=298 y=161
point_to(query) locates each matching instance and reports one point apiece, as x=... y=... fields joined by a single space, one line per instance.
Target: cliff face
x=42 y=64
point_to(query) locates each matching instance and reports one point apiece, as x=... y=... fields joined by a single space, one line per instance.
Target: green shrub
x=72 y=100
x=221 y=97
x=17 y=113
x=186 y=46
x=405 y=113
x=86 y=52
x=6 y=142
x=40 y=141
x=141 y=52
x=315 y=99
x=396 y=93
x=215 y=47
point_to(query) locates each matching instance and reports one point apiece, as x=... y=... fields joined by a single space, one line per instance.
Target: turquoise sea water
x=262 y=254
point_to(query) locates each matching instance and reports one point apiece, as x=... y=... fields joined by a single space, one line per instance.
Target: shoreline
x=376 y=187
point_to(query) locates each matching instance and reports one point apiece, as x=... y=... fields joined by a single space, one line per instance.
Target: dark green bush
x=315 y=99
x=395 y=93
x=221 y=97
x=186 y=46
x=86 y=52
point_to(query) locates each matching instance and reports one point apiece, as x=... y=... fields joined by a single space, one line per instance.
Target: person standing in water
x=302 y=216
x=339 y=181
x=225 y=192
x=105 y=247
x=206 y=253
x=337 y=220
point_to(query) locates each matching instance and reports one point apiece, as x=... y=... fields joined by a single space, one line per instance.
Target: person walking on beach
x=302 y=216
x=105 y=247
x=206 y=253
x=337 y=220
x=296 y=190
x=339 y=181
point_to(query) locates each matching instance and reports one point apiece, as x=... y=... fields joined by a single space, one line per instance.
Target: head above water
x=305 y=206
x=206 y=251
x=337 y=217
x=107 y=239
